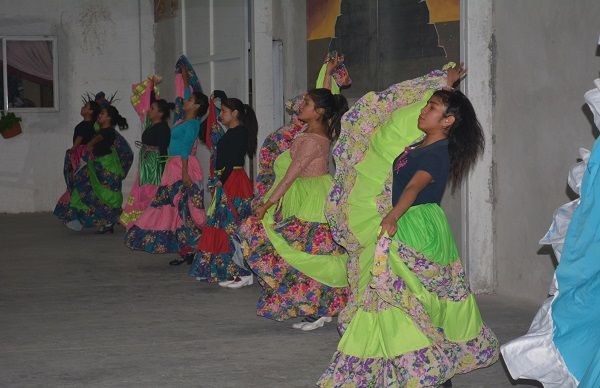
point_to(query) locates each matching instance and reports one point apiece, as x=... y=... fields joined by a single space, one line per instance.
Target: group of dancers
x=370 y=244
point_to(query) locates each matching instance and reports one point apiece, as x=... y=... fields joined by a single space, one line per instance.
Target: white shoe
x=200 y=278
x=316 y=324
x=74 y=225
x=225 y=283
x=299 y=325
x=244 y=281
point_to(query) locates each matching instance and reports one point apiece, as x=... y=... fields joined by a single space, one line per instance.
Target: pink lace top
x=310 y=157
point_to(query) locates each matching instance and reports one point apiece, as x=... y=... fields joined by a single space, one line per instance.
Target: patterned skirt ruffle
x=301 y=269
x=214 y=260
x=173 y=220
x=417 y=323
x=93 y=196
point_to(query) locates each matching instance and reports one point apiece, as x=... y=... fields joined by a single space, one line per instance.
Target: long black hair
x=247 y=117
x=466 y=141
x=200 y=99
x=115 y=117
x=334 y=106
x=164 y=108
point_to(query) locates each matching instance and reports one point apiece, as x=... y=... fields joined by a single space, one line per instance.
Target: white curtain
x=31 y=57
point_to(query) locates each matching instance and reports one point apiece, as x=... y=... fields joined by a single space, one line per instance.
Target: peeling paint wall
x=546 y=60
x=99 y=48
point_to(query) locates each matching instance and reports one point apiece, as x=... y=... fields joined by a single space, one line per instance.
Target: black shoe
x=109 y=228
x=177 y=261
x=447 y=383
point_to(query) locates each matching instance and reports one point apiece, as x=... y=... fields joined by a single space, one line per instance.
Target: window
x=29 y=79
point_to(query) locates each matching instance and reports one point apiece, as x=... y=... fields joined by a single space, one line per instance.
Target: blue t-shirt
x=433 y=159
x=183 y=137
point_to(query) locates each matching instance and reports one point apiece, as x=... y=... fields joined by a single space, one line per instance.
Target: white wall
x=546 y=60
x=289 y=26
x=168 y=47
x=99 y=47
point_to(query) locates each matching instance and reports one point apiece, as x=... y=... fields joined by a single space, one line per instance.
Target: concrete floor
x=82 y=310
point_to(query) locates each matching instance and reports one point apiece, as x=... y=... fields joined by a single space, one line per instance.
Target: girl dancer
x=173 y=220
x=96 y=196
x=82 y=134
x=152 y=158
x=412 y=320
x=231 y=199
x=288 y=244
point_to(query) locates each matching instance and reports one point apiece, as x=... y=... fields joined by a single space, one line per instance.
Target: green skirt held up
x=301 y=269
x=413 y=321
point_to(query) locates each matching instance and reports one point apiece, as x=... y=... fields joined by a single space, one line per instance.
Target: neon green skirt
x=314 y=252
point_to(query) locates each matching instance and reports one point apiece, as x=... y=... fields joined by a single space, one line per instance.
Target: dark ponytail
x=334 y=106
x=164 y=108
x=341 y=107
x=247 y=118
x=466 y=141
x=201 y=99
x=115 y=118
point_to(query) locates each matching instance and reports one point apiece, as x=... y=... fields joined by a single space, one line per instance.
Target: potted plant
x=10 y=125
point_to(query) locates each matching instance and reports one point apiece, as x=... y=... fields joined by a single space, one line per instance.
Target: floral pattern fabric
x=177 y=199
x=286 y=292
x=92 y=211
x=274 y=145
x=425 y=367
x=311 y=237
x=358 y=125
x=231 y=204
x=214 y=260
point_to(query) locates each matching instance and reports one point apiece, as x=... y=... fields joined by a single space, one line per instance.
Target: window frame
x=3 y=40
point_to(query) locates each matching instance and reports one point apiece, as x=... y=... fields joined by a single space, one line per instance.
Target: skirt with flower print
x=173 y=221
x=301 y=270
x=214 y=259
x=93 y=196
x=418 y=323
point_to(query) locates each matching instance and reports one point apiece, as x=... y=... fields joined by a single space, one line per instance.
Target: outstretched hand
x=456 y=74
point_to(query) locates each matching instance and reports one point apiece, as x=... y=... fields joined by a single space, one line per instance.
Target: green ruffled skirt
x=301 y=269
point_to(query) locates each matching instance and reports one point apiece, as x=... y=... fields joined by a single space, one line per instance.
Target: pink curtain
x=31 y=57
